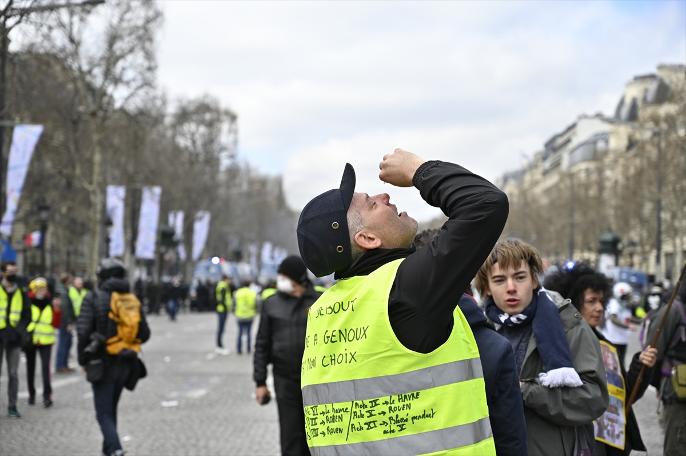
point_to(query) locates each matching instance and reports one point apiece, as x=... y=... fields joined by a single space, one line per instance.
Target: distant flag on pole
x=33 y=239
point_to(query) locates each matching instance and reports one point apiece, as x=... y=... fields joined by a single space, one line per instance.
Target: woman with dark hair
x=616 y=432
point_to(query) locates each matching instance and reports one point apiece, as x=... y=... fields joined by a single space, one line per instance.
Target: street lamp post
x=43 y=215
x=108 y=235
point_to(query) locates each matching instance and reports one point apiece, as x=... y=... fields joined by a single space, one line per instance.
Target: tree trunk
x=96 y=203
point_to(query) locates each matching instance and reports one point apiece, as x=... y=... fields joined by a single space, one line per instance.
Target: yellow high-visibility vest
x=267 y=292
x=15 y=308
x=76 y=296
x=246 y=303
x=223 y=296
x=366 y=393
x=41 y=325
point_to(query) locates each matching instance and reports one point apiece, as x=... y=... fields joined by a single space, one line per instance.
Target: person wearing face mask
x=43 y=337
x=281 y=343
x=15 y=316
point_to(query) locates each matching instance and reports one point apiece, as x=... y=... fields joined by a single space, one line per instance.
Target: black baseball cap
x=323 y=236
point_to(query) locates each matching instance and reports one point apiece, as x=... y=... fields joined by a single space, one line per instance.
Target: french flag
x=32 y=239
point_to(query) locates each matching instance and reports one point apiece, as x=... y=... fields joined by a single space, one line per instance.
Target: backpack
x=125 y=311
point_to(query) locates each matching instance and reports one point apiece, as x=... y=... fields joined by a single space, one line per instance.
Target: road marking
x=196 y=394
x=168 y=404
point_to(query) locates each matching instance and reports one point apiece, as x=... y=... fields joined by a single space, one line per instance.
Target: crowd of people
x=451 y=341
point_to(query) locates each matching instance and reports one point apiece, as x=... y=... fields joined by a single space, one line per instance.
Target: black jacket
x=431 y=280
x=633 y=433
x=505 y=405
x=93 y=316
x=281 y=335
x=16 y=336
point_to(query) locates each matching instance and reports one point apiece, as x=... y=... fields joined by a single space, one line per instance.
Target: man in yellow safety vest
x=246 y=309
x=15 y=316
x=390 y=364
x=222 y=294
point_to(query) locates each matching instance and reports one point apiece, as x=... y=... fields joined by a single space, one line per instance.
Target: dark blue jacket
x=505 y=406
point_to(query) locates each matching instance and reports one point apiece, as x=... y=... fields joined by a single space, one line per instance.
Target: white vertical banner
x=201 y=228
x=147 y=223
x=175 y=219
x=24 y=140
x=253 y=252
x=115 y=211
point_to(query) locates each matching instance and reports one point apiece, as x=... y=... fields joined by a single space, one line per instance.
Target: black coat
x=281 y=335
x=93 y=317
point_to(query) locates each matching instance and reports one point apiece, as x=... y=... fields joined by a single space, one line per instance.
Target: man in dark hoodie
x=94 y=328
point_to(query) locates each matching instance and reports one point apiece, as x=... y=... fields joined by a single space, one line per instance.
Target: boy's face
x=511 y=289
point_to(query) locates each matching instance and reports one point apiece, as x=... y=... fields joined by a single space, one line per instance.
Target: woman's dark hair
x=572 y=283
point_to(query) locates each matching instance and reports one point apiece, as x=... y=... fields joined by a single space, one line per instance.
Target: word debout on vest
x=335 y=308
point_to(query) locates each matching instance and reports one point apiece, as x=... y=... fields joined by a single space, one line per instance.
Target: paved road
x=193 y=403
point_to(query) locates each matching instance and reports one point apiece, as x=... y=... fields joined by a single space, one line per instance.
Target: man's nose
x=511 y=285
x=385 y=198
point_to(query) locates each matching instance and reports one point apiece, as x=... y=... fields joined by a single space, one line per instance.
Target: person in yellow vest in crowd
x=269 y=290
x=390 y=363
x=43 y=336
x=246 y=309
x=224 y=306
x=71 y=308
x=15 y=316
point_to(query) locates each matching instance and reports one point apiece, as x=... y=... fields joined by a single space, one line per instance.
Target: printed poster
x=610 y=428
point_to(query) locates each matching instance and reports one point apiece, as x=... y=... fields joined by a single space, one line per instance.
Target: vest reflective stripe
x=15 y=308
x=225 y=305
x=246 y=303
x=424 y=443
x=41 y=325
x=370 y=388
x=76 y=297
x=366 y=393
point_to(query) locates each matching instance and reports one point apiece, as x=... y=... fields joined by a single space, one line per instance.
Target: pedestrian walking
x=588 y=292
x=70 y=310
x=281 y=342
x=246 y=309
x=557 y=356
x=15 y=316
x=390 y=363
x=43 y=336
x=175 y=297
x=223 y=307
x=110 y=330
x=670 y=375
x=504 y=398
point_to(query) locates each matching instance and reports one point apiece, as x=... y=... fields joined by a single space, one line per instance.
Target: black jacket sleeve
x=263 y=345
x=143 y=328
x=431 y=280
x=85 y=326
x=506 y=408
x=25 y=317
x=632 y=377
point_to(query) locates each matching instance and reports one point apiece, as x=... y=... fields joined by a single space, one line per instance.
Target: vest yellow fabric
x=225 y=304
x=320 y=289
x=267 y=292
x=246 y=303
x=366 y=393
x=15 y=308
x=76 y=296
x=41 y=325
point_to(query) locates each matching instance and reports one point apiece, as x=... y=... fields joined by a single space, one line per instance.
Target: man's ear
x=367 y=240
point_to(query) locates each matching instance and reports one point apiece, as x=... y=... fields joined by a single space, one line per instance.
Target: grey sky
x=483 y=84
